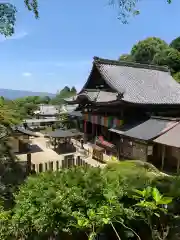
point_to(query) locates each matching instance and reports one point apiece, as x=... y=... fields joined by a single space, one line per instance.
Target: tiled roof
x=171 y=137
x=48 y=109
x=25 y=131
x=150 y=129
x=68 y=108
x=99 y=96
x=64 y=133
x=139 y=83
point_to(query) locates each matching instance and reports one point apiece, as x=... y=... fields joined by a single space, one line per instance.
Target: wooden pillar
x=85 y=126
x=178 y=164
x=162 y=158
x=28 y=163
x=37 y=168
x=92 y=131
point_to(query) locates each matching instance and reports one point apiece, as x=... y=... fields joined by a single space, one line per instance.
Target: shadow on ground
x=33 y=149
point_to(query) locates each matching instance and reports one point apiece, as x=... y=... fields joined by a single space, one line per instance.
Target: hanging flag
x=106 y=121
x=110 y=121
x=102 y=121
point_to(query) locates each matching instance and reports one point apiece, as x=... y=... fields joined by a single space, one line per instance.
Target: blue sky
x=57 y=50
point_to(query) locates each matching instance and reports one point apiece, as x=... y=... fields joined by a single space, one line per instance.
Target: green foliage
x=168 y=57
x=156 y=52
x=126 y=57
x=27 y=105
x=9 y=114
x=144 y=51
x=176 y=76
x=32 y=6
x=7 y=19
x=152 y=206
x=66 y=92
x=175 y=44
x=127 y=8
x=11 y=174
x=8 y=16
x=85 y=200
x=73 y=90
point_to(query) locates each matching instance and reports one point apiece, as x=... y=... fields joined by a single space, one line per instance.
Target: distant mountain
x=13 y=94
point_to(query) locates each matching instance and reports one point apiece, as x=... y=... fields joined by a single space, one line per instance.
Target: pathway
x=43 y=154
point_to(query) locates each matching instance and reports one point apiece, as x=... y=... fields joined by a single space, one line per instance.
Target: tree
x=8 y=16
x=9 y=114
x=66 y=92
x=8 y=11
x=175 y=44
x=73 y=90
x=168 y=57
x=11 y=173
x=144 y=51
x=45 y=100
x=126 y=57
x=176 y=76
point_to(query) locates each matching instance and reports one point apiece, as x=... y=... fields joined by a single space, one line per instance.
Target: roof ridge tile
x=98 y=60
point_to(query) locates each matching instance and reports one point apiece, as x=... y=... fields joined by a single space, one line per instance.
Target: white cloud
x=16 y=36
x=26 y=74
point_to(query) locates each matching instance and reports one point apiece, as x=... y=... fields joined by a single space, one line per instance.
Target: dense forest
x=156 y=51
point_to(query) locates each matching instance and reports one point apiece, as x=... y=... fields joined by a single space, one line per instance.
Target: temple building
x=126 y=106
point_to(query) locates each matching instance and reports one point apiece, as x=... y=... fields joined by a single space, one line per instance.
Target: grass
x=129 y=167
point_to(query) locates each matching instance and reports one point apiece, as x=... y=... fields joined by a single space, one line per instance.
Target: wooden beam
x=163 y=155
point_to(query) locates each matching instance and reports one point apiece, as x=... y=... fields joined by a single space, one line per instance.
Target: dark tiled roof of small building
x=64 y=133
x=149 y=129
x=139 y=83
x=25 y=131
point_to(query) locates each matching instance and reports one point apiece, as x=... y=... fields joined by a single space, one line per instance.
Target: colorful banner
x=86 y=115
x=109 y=121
